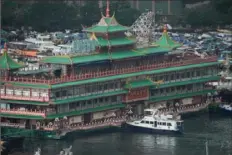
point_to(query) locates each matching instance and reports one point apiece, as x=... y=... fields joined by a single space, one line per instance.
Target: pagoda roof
x=166 y=41
x=114 y=42
x=7 y=63
x=104 y=56
x=107 y=24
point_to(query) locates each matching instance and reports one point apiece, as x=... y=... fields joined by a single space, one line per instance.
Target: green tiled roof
x=28 y=85
x=20 y=116
x=25 y=102
x=138 y=84
x=104 y=29
x=82 y=98
x=166 y=41
x=115 y=42
x=80 y=112
x=107 y=24
x=171 y=84
x=133 y=74
x=176 y=96
x=147 y=83
x=104 y=56
x=7 y=63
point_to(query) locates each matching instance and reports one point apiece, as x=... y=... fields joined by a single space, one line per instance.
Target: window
x=114 y=99
x=57 y=94
x=106 y=99
x=147 y=122
x=164 y=123
x=105 y=87
x=177 y=76
x=188 y=74
x=100 y=100
x=89 y=102
x=142 y=122
x=151 y=122
x=169 y=124
x=172 y=77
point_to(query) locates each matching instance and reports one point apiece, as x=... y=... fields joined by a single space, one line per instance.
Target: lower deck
x=106 y=118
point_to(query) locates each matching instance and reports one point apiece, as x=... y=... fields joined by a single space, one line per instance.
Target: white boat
x=43 y=42
x=226 y=108
x=157 y=123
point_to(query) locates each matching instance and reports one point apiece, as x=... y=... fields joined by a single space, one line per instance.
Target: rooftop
x=104 y=56
x=166 y=41
x=107 y=24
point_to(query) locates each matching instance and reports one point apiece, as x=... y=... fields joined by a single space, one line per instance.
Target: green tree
x=51 y=16
x=90 y=13
x=223 y=6
x=124 y=13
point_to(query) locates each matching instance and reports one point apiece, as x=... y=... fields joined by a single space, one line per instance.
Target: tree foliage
x=123 y=12
x=59 y=15
x=217 y=13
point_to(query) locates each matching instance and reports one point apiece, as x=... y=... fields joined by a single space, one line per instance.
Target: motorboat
x=156 y=122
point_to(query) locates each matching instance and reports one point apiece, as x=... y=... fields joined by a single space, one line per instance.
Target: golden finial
x=107 y=8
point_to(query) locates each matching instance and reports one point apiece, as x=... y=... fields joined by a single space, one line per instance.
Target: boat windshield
x=148 y=113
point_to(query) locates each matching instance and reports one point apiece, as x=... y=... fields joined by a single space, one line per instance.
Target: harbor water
x=217 y=129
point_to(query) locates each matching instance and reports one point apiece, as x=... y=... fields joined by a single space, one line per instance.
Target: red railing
x=25 y=98
x=15 y=125
x=115 y=72
x=23 y=112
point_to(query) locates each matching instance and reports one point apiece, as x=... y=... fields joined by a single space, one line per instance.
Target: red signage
x=137 y=95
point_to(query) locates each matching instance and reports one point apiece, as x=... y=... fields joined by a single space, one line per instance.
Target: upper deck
x=178 y=62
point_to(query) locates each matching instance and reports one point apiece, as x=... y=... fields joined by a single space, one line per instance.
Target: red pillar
x=30 y=92
x=49 y=93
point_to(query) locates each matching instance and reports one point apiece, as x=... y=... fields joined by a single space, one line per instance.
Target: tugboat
x=154 y=122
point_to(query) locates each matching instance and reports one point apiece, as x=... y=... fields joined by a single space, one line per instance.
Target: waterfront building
x=101 y=80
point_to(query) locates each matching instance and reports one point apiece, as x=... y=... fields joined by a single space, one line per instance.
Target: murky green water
x=217 y=129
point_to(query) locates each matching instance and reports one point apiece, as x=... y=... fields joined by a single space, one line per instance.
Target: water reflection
x=147 y=143
x=218 y=130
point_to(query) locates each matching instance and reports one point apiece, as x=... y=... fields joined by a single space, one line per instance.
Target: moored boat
x=155 y=122
x=227 y=108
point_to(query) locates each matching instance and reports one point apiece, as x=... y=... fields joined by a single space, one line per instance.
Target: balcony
x=22 y=112
x=114 y=72
x=25 y=98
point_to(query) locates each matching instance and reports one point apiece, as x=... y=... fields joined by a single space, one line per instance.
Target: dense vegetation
x=219 y=12
x=53 y=16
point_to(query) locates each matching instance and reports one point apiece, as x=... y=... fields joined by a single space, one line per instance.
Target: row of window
x=177 y=89
x=88 y=89
x=95 y=102
x=170 y=76
x=158 y=123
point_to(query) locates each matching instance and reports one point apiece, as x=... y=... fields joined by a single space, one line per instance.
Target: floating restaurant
x=95 y=88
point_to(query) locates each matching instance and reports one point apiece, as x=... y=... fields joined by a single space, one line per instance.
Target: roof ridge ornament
x=165 y=29
x=107 y=8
